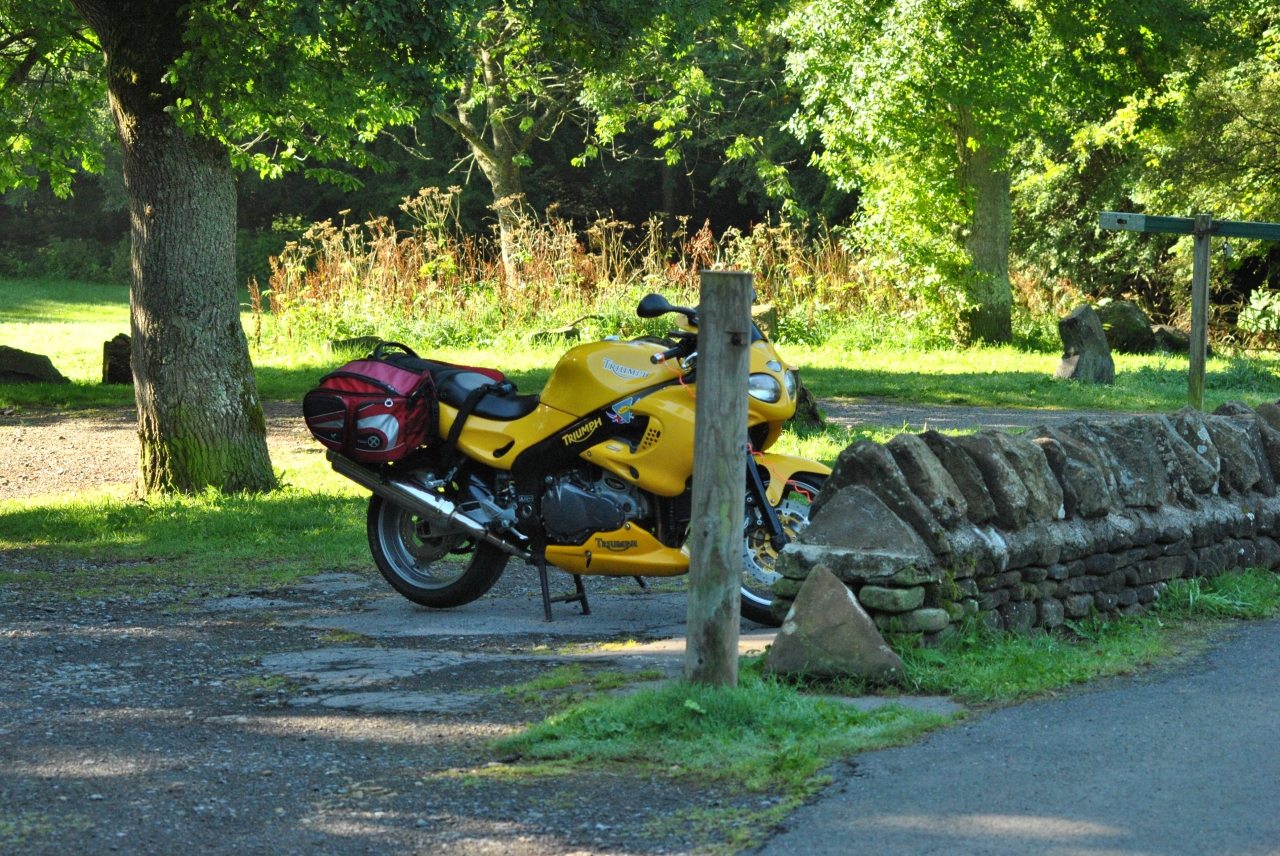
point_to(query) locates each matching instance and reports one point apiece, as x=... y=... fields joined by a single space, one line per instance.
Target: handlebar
x=669 y=353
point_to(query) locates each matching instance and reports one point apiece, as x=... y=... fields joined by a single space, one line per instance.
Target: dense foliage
x=957 y=149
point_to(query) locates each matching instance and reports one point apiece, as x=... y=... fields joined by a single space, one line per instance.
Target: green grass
x=214 y=540
x=69 y=321
x=977 y=665
x=761 y=735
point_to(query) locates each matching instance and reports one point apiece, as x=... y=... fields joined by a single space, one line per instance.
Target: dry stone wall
x=1029 y=530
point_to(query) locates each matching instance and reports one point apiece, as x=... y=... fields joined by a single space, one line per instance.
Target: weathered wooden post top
x=1203 y=228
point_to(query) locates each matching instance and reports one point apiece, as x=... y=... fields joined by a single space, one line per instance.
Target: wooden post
x=1199 y=309
x=719 y=479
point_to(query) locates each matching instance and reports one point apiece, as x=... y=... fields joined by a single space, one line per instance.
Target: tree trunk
x=200 y=422
x=985 y=180
x=508 y=202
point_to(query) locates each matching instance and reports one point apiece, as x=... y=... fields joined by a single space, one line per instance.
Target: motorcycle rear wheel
x=413 y=559
x=758 y=555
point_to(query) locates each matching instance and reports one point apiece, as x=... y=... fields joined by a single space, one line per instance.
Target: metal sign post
x=1203 y=228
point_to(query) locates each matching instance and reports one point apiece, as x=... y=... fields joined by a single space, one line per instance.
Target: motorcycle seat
x=453 y=385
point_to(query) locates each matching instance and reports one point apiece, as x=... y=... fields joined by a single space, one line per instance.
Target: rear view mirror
x=654 y=306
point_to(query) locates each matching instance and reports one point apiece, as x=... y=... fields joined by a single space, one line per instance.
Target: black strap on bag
x=377 y=352
x=450 y=451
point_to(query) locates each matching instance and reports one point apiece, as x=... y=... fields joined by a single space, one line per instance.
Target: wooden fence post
x=719 y=479
x=1199 y=309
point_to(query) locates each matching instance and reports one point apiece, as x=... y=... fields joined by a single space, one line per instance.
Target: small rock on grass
x=827 y=634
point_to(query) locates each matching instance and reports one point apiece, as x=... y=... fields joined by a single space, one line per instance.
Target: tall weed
x=434 y=282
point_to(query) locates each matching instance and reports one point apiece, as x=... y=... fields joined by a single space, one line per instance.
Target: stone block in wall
x=1270 y=413
x=1189 y=425
x=1003 y=484
x=1084 y=585
x=1078 y=605
x=1268 y=552
x=980 y=508
x=1048 y=588
x=1239 y=468
x=1105 y=602
x=1049 y=613
x=869 y=465
x=1059 y=464
x=1087 y=471
x=1044 y=494
x=1035 y=574
x=929 y=479
x=1101 y=564
x=1140 y=473
x=968 y=588
x=1193 y=564
x=1252 y=428
x=1177 y=548
x=993 y=599
x=916 y=621
x=1057 y=572
x=1114 y=582
x=1127 y=597
x=1125 y=558
x=1212 y=560
x=1200 y=473
x=891 y=599
x=1037 y=544
x=1147 y=593
x=1019 y=617
x=1016 y=594
x=854 y=566
x=1268 y=436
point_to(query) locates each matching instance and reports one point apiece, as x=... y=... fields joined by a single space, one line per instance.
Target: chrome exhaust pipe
x=436 y=509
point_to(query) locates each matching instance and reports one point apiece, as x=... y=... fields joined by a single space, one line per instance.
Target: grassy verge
x=767 y=735
x=69 y=321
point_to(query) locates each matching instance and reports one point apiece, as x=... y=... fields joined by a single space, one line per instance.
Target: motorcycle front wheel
x=758 y=553
x=418 y=562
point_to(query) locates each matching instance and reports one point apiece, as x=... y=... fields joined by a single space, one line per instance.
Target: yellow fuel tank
x=594 y=375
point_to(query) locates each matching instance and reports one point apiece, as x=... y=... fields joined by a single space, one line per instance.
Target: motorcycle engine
x=578 y=504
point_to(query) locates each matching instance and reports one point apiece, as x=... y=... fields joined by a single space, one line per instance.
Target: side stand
x=579 y=595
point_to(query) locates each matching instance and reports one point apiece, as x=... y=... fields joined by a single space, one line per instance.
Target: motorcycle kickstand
x=579 y=595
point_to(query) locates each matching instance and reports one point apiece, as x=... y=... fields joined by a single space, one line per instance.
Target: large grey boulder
x=964 y=473
x=827 y=634
x=18 y=366
x=1127 y=327
x=1007 y=490
x=1189 y=423
x=1239 y=466
x=928 y=479
x=1086 y=470
x=870 y=465
x=1044 y=494
x=1086 y=356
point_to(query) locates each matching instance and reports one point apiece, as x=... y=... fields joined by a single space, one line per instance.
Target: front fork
x=758 y=498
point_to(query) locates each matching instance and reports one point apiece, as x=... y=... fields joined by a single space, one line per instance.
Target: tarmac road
x=1187 y=762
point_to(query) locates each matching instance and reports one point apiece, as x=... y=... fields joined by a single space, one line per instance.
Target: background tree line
x=959 y=145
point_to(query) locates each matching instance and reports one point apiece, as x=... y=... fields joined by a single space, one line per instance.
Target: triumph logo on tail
x=581 y=433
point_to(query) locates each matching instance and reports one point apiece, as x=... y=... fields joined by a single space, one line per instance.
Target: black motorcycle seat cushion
x=453 y=385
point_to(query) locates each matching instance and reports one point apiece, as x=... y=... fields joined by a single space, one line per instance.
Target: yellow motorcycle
x=592 y=475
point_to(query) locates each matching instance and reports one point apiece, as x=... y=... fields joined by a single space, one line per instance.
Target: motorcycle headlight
x=764 y=387
x=792 y=383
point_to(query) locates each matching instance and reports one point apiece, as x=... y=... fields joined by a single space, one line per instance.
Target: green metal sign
x=1204 y=228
